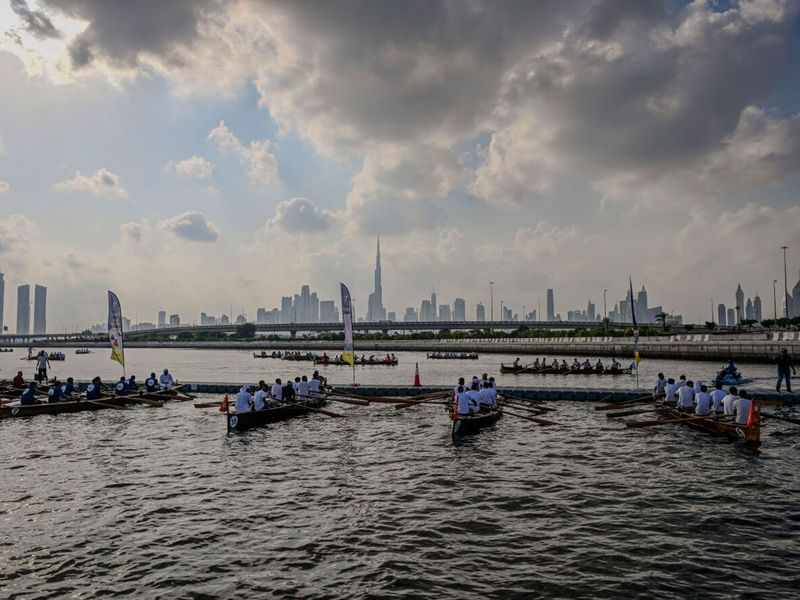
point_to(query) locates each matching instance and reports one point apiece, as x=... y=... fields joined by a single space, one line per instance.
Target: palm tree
x=662 y=318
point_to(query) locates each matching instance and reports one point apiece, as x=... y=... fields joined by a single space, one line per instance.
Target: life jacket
x=92 y=391
x=54 y=393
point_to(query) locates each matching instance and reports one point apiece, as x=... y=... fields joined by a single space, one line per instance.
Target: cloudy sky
x=195 y=154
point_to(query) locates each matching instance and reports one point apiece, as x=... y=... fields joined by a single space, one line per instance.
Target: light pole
x=785 y=284
x=712 y=311
x=502 y=314
x=491 y=301
x=605 y=311
x=774 y=301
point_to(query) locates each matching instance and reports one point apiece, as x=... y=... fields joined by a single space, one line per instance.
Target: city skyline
x=559 y=146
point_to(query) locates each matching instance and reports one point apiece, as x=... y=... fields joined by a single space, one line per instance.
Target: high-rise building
x=2 y=300
x=480 y=312
x=174 y=321
x=303 y=305
x=224 y=320
x=757 y=308
x=739 y=305
x=551 y=306
x=410 y=315
x=425 y=312
x=287 y=310
x=126 y=324
x=162 y=318
x=444 y=312
x=23 y=309
x=748 y=310
x=261 y=316
x=731 y=317
x=327 y=312
x=721 y=321
x=39 y=310
x=434 y=315
x=375 y=309
x=459 y=310
x=794 y=304
x=391 y=316
x=313 y=308
x=590 y=309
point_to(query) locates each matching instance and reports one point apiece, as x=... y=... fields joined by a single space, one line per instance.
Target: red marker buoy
x=416 y=376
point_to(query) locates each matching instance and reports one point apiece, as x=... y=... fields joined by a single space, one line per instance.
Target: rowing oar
x=319 y=410
x=781 y=418
x=626 y=413
x=533 y=403
x=533 y=410
x=614 y=405
x=344 y=400
x=527 y=418
x=668 y=421
x=434 y=400
x=215 y=403
x=520 y=398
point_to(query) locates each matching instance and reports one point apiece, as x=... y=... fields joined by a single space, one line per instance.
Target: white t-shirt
x=670 y=391
x=742 y=408
x=302 y=389
x=661 y=385
x=474 y=399
x=487 y=397
x=463 y=403
x=681 y=383
x=697 y=385
x=166 y=381
x=703 y=400
x=260 y=399
x=716 y=399
x=41 y=362
x=685 y=397
x=277 y=390
x=243 y=401
x=727 y=403
x=315 y=385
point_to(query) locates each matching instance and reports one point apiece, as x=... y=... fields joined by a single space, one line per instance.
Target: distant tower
x=739 y=305
x=39 y=310
x=757 y=308
x=23 y=309
x=590 y=311
x=434 y=306
x=375 y=309
x=748 y=311
x=480 y=312
x=551 y=309
x=721 y=321
x=731 y=317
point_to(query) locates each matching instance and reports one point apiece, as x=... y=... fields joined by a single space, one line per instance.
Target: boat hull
x=55 y=408
x=259 y=418
x=471 y=425
x=509 y=369
x=733 y=431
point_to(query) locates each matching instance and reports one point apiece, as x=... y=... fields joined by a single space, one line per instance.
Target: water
x=233 y=366
x=161 y=502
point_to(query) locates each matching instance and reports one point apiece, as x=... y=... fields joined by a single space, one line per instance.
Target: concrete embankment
x=543 y=394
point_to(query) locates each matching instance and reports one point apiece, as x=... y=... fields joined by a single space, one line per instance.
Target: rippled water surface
x=162 y=502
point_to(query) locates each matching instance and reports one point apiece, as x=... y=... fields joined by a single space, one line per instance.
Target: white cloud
x=260 y=163
x=5 y=187
x=16 y=232
x=102 y=183
x=135 y=232
x=193 y=226
x=196 y=167
x=299 y=215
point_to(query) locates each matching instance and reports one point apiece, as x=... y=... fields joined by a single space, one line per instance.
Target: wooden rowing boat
x=68 y=406
x=730 y=429
x=470 y=425
x=559 y=371
x=366 y=362
x=258 y=418
x=452 y=356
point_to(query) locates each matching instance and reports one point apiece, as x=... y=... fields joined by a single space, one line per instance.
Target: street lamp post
x=491 y=301
x=774 y=301
x=785 y=284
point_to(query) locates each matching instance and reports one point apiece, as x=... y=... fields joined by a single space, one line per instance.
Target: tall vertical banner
x=115 y=329
x=635 y=332
x=347 y=318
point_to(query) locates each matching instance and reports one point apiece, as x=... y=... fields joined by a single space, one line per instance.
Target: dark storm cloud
x=121 y=30
x=36 y=22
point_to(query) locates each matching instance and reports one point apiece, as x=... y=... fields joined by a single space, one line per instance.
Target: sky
x=196 y=155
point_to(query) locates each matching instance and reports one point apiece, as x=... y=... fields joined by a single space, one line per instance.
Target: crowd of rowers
x=693 y=396
x=279 y=393
x=576 y=364
x=61 y=391
x=477 y=396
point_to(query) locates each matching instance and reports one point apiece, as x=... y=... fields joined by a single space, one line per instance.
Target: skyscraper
x=731 y=318
x=327 y=312
x=590 y=311
x=721 y=315
x=434 y=314
x=375 y=309
x=23 y=309
x=444 y=312
x=287 y=313
x=757 y=308
x=459 y=310
x=739 y=305
x=2 y=300
x=162 y=318
x=748 y=310
x=39 y=310
x=551 y=309
x=480 y=312
x=425 y=312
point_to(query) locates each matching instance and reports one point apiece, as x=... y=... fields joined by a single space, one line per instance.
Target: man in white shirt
x=697 y=385
x=261 y=396
x=661 y=385
x=277 y=390
x=315 y=385
x=243 y=399
x=486 y=397
x=166 y=380
x=669 y=391
x=463 y=404
x=302 y=389
x=742 y=408
x=703 y=400
x=729 y=399
x=686 y=396
x=716 y=398
x=681 y=381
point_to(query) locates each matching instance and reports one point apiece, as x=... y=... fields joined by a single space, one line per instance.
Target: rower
x=716 y=398
x=669 y=391
x=464 y=406
x=615 y=364
x=697 y=385
x=460 y=384
x=244 y=400
x=494 y=385
x=121 y=387
x=729 y=400
x=576 y=364
x=277 y=390
x=19 y=381
x=315 y=384
x=742 y=408
x=166 y=380
x=94 y=389
x=661 y=385
x=703 y=399
x=516 y=362
x=151 y=383
x=587 y=364
x=296 y=385
x=555 y=363
x=487 y=398
x=131 y=383
x=536 y=364
x=682 y=381
x=287 y=393
x=54 y=393
x=29 y=395
x=599 y=364
x=484 y=379
x=686 y=396
x=69 y=387
x=260 y=399
x=475 y=396
x=302 y=389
